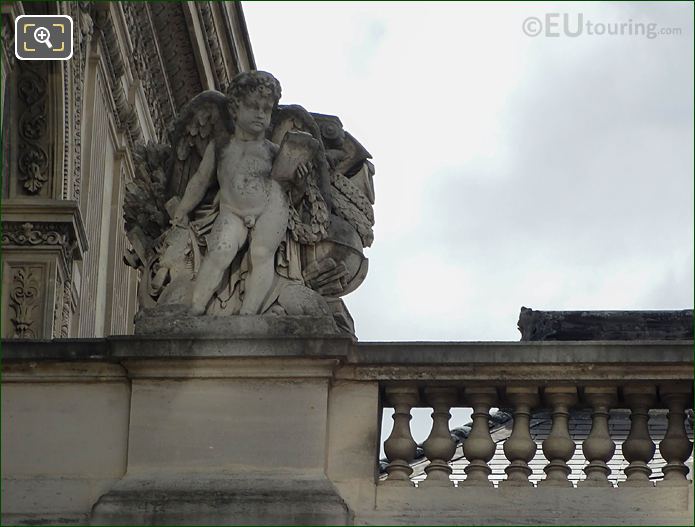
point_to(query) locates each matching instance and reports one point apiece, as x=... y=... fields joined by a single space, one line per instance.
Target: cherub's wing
x=163 y=171
x=205 y=118
x=144 y=209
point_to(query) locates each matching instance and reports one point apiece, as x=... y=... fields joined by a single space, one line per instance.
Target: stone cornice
x=33 y=222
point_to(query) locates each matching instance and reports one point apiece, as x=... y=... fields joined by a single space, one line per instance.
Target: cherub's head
x=253 y=97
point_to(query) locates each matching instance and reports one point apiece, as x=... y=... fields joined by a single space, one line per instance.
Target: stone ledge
x=548 y=352
x=169 y=321
x=528 y=506
x=243 y=500
x=370 y=355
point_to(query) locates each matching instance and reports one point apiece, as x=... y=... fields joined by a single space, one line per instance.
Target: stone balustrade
x=277 y=429
x=558 y=446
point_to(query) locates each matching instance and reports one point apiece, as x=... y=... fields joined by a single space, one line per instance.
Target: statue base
x=174 y=321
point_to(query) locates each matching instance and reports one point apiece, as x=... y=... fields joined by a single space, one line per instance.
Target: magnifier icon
x=42 y=36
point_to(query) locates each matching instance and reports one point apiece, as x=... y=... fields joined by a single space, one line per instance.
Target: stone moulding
x=44 y=222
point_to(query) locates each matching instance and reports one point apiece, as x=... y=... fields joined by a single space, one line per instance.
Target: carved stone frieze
x=147 y=65
x=178 y=56
x=44 y=233
x=31 y=234
x=213 y=41
x=84 y=27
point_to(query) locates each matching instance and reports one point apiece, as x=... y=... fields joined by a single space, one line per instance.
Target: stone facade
x=70 y=134
x=284 y=429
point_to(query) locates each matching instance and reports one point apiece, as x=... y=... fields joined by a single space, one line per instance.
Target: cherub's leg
x=227 y=236
x=266 y=236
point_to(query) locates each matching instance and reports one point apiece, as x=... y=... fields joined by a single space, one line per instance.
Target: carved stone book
x=296 y=148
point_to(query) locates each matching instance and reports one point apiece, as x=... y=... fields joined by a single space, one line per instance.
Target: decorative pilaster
x=40 y=241
x=598 y=448
x=400 y=447
x=479 y=446
x=559 y=447
x=439 y=446
x=520 y=448
x=675 y=447
x=638 y=448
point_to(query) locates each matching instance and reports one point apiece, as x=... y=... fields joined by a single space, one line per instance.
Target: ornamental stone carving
x=43 y=233
x=251 y=208
x=24 y=299
x=32 y=123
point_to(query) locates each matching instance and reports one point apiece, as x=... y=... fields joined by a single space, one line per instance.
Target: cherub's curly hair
x=249 y=82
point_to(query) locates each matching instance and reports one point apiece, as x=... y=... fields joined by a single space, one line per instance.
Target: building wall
x=134 y=65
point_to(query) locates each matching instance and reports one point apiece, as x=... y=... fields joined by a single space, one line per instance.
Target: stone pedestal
x=235 y=436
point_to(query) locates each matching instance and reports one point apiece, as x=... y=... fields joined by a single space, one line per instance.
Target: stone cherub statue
x=255 y=208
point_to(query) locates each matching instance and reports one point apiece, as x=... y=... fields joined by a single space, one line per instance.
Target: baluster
x=638 y=448
x=439 y=447
x=598 y=448
x=400 y=446
x=559 y=447
x=675 y=447
x=479 y=447
x=520 y=448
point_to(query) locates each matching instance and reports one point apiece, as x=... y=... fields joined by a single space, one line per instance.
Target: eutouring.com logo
x=576 y=25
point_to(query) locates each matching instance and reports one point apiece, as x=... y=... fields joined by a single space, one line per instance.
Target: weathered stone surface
x=198 y=500
x=165 y=322
x=251 y=208
x=221 y=430
x=605 y=325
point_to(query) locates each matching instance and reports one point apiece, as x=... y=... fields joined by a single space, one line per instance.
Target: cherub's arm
x=197 y=186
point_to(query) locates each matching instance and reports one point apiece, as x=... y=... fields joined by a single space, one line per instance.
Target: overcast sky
x=548 y=172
